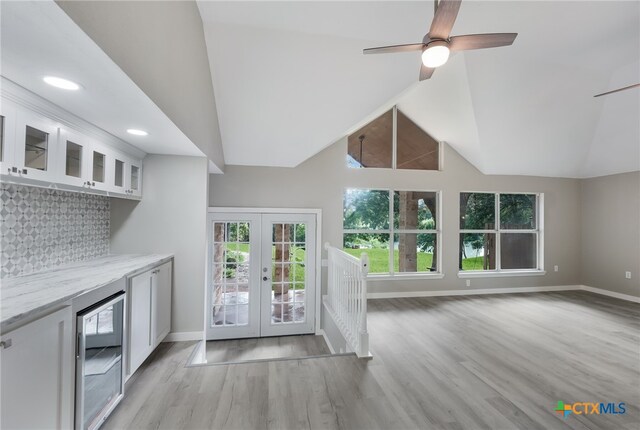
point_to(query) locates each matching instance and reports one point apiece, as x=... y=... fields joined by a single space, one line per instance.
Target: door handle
x=264 y=278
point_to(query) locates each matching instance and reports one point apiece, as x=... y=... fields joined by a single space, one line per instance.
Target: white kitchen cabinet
x=161 y=281
x=74 y=155
x=133 y=180
x=149 y=312
x=36 y=374
x=60 y=152
x=34 y=148
x=140 y=336
x=7 y=136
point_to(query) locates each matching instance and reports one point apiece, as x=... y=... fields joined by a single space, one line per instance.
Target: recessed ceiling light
x=136 y=132
x=64 y=84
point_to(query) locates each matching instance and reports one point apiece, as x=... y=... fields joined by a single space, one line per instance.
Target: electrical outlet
x=468 y=282
x=555 y=268
x=627 y=275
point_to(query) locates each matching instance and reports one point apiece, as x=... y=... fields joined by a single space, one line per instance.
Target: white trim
x=398 y=276
x=183 y=336
x=322 y=333
x=225 y=209
x=501 y=273
x=611 y=294
x=399 y=294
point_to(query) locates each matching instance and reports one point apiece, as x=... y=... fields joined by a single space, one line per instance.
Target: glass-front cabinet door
x=7 y=137
x=102 y=170
x=119 y=171
x=74 y=156
x=134 y=178
x=35 y=148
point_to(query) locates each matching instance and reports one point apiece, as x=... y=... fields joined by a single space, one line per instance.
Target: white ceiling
x=38 y=39
x=290 y=79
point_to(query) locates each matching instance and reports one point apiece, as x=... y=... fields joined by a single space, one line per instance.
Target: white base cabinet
x=36 y=374
x=149 y=313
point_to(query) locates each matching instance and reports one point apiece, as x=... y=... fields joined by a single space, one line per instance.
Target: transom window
x=393 y=141
x=409 y=243
x=500 y=232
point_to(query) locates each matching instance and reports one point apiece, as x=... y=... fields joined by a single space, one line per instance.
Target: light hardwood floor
x=494 y=362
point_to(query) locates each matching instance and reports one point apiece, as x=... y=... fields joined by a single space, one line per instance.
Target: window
x=393 y=141
x=500 y=232
x=407 y=244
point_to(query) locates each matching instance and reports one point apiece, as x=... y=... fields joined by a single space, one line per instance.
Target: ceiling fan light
x=436 y=54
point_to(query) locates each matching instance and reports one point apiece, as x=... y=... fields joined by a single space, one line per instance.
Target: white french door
x=261 y=274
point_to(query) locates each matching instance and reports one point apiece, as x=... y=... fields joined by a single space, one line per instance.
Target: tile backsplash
x=42 y=228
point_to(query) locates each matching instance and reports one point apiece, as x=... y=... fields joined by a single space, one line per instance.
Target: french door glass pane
x=375 y=245
x=289 y=259
x=477 y=251
x=517 y=211
x=518 y=250
x=230 y=273
x=35 y=149
x=74 y=159
x=415 y=252
x=98 y=167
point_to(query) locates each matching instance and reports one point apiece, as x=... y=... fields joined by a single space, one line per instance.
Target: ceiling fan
x=619 y=89
x=437 y=43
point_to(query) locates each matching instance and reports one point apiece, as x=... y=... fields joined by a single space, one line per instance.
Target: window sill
x=408 y=276
x=502 y=274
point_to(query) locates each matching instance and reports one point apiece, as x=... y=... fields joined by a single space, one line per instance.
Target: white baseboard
x=184 y=336
x=440 y=293
x=611 y=294
x=327 y=341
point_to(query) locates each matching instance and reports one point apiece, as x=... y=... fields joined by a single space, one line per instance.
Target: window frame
x=392 y=231
x=394 y=150
x=498 y=231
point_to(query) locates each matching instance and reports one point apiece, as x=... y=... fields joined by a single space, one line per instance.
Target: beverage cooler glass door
x=99 y=370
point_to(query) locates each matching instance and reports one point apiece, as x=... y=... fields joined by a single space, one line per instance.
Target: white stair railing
x=347 y=297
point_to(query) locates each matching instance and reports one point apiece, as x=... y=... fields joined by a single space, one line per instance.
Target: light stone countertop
x=26 y=296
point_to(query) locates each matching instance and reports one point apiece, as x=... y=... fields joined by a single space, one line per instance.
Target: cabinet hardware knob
x=264 y=278
x=6 y=343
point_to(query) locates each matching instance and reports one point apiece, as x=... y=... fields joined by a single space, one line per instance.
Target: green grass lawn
x=379 y=260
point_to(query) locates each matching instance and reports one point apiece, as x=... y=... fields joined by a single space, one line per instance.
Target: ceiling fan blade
x=426 y=72
x=394 y=48
x=619 y=89
x=444 y=18
x=481 y=41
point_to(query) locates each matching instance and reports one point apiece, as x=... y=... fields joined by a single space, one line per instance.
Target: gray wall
x=170 y=218
x=610 y=207
x=319 y=183
x=160 y=45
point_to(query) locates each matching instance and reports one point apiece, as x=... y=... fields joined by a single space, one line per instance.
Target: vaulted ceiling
x=290 y=79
